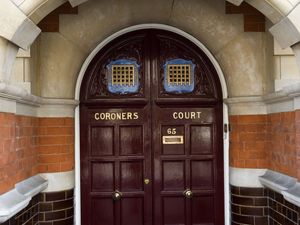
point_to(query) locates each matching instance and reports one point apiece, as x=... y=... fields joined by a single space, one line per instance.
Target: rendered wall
x=241 y=55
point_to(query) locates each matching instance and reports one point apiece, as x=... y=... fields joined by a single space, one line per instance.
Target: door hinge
x=227 y=128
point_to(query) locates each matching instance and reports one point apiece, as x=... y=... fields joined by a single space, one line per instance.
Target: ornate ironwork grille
x=179 y=74
x=123 y=75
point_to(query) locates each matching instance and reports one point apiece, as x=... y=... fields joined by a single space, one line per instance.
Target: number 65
x=171 y=131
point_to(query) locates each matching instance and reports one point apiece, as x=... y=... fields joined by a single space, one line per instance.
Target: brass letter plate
x=172 y=140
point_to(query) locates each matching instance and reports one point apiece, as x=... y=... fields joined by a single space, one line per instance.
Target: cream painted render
x=242 y=56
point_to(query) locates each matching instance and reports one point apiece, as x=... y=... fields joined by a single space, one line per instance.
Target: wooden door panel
x=202 y=176
x=131 y=176
x=103 y=176
x=102 y=141
x=173 y=211
x=103 y=211
x=201 y=139
x=203 y=210
x=173 y=175
x=132 y=211
x=131 y=140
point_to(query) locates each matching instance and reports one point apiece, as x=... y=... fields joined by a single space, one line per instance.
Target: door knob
x=146 y=181
x=117 y=195
x=188 y=193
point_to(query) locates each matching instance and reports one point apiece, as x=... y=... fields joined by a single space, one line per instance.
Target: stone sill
x=283 y=184
x=277 y=181
x=17 y=199
x=293 y=194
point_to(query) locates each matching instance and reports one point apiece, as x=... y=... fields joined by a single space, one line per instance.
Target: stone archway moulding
x=77 y=122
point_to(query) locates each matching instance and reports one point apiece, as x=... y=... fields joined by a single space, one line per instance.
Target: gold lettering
x=198 y=114
x=129 y=116
x=113 y=116
x=180 y=115
x=124 y=116
x=116 y=116
x=119 y=116
x=175 y=115
x=193 y=115
x=186 y=115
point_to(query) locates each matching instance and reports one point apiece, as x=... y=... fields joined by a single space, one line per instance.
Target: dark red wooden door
x=151 y=155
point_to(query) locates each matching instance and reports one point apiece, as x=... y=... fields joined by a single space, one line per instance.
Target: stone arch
x=27 y=13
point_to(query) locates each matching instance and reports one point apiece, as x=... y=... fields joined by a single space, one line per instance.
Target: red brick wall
x=18 y=149
x=248 y=141
x=56 y=144
x=281 y=142
x=266 y=141
x=31 y=145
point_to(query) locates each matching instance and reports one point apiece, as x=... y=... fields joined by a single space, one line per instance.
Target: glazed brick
x=50 y=216
x=54 y=196
x=69 y=193
x=261 y=220
x=242 y=200
x=63 y=204
x=274 y=209
x=252 y=191
x=68 y=221
x=39 y=211
x=46 y=207
x=235 y=209
x=242 y=219
x=252 y=211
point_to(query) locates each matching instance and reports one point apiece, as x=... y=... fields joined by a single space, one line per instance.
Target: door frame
x=77 y=114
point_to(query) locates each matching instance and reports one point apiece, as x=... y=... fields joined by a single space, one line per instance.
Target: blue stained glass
x=131 y=81
x=177 y=82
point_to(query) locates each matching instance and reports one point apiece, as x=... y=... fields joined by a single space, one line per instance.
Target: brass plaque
x=173 y=140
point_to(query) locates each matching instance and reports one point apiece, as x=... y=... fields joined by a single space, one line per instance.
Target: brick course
x=266 y=141
x=30 y=145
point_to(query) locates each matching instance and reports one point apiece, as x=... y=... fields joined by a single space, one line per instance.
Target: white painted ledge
x=293 y=194
x=277 y=181
x=17 y=199
x=17 y=100
x=59 y=181
x=243 y=177
x=285 y=100
x=11 y=203
x=32 y=186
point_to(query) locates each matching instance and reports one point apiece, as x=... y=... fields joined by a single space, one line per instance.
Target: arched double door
x=151 y=134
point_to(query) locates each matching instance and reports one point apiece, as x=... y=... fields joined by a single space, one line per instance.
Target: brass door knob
x=117 y=195
x=188 y=193
x=146 y=181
